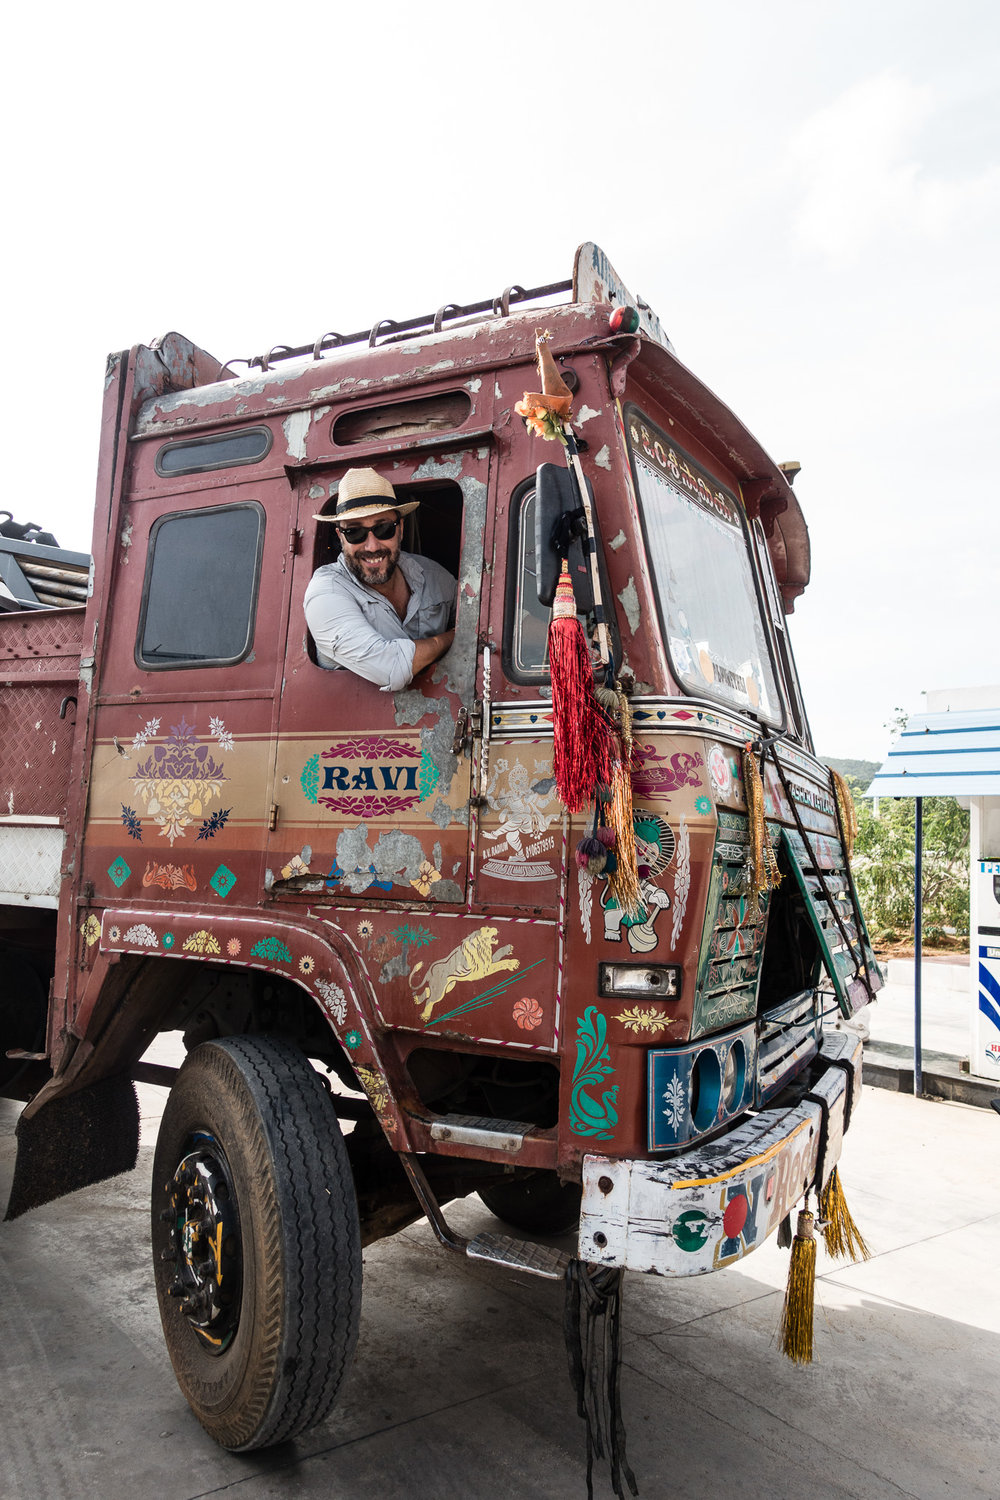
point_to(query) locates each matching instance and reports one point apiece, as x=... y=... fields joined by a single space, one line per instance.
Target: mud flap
x=76 y=1140
x=823 y=876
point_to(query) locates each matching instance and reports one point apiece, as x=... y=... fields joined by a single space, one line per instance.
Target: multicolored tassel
x=797 y=1313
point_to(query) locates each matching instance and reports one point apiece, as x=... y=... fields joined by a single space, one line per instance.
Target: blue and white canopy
x=952 y=754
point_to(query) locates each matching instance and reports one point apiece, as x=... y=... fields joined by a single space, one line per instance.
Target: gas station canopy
x=950 y=754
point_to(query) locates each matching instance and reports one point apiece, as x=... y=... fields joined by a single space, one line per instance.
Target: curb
x=942 y=1078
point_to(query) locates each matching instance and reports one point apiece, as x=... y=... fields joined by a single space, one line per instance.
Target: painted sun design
x=306 y=964
x=365 y=929
x=234 y=947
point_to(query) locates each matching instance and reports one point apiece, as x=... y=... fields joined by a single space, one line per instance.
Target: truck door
x=372 y=787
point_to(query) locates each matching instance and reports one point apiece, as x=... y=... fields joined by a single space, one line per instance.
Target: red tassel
x=584 y=747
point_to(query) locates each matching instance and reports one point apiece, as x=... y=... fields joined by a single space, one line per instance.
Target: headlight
x=639 y=981
x=696 y=1088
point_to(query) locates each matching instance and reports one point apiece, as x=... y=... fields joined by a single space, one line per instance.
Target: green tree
x=883 y=865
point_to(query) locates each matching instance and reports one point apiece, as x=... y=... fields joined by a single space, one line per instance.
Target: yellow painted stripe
x=751 y=1161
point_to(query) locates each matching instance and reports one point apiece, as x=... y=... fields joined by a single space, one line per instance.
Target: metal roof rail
x=387 y=330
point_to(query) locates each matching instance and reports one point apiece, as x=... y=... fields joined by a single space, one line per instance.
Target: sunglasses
x=381 y=531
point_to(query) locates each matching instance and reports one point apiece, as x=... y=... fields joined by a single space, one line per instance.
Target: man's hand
x=430 y=648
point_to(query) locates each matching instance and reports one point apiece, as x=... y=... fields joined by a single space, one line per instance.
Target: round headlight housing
x=734 y=1077
x=706 y=1089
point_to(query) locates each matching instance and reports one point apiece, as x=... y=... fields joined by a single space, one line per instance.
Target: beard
x=387 y=561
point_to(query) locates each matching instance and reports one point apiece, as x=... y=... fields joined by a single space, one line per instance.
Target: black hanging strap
x=593 y=1328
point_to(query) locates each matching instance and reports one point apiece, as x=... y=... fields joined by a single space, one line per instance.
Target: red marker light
x=624 y=320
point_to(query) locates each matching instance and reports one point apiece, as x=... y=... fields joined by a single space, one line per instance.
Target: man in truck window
x=382 y=613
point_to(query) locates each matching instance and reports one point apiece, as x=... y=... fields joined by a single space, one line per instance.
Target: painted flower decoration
x=114 y=933
x=527 y=1014
x=90 y=929
x=234 y=947
x=168 y=940
x=425 y=877
x=365 y=929
x=306 y=964
x=703 y=805
x=352 y=1039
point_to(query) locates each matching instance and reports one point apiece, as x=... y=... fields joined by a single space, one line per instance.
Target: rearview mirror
x=559 y=516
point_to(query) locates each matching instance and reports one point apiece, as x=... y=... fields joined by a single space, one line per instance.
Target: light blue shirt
x=357 y=628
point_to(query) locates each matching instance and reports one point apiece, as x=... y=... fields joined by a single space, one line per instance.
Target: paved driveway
x=459 y=1389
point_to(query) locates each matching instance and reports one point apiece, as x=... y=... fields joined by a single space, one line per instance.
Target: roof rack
x=387 y=330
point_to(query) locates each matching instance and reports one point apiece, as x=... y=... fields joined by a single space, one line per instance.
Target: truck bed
x=39 y=684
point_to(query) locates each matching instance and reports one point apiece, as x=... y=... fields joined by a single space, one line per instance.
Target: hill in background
x=860 y=771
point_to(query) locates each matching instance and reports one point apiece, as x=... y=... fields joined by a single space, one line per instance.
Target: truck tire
x=538 y=1204
x=256 y=1246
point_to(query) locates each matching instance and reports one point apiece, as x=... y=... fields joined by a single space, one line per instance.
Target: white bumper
x=712 y=1205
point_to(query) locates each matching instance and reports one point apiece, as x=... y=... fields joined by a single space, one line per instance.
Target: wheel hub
x=204 y=1244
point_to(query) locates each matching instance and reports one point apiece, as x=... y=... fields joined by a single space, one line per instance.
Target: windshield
x=704 y=578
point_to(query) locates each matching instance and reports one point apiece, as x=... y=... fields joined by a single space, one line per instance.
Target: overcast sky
x=808 y=194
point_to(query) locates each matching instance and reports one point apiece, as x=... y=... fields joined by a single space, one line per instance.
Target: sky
x=808 y=194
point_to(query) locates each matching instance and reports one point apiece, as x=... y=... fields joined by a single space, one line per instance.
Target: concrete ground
x=459 y=1389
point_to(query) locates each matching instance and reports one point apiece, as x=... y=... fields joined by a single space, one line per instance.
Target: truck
x=366 y=912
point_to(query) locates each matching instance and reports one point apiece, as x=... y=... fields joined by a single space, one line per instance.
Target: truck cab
x=310 y=877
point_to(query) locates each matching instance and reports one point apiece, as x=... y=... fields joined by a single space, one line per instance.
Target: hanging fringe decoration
x=841 y=1235
x=797 y=1313
x=848 y=812
x=584 y=744
x=593 y=1329
x=764 y=872
x=624 y=880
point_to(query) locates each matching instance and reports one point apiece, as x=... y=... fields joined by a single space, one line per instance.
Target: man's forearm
x=430 y=648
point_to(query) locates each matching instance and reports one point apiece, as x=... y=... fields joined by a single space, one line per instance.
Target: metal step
x=482 y=1130
x=519 y=1255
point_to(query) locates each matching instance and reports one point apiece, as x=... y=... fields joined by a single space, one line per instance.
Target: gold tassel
x=764 y=872
x=624 y=883
x=840 y=1233
x=797 y=1313
x=848 y=812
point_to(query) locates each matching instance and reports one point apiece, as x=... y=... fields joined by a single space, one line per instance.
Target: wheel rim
x=204 y=1244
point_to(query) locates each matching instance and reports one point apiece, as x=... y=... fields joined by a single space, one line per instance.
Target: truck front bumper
x=710 y=1206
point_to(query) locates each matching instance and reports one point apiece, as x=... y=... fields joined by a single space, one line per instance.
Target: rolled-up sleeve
x=345 y=637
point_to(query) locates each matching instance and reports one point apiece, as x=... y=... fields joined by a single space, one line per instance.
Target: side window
x=199 y=595
x=526 y=625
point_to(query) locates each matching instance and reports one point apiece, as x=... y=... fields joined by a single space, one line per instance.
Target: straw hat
x=363 y=493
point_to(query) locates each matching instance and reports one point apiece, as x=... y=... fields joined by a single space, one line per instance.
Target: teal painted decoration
x=119 y=872
x=272 y=948
x=428 y=776
x=222 y=881
x=593 y=1065
x=309 y=779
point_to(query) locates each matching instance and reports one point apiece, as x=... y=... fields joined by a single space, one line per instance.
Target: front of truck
x=705 y=1086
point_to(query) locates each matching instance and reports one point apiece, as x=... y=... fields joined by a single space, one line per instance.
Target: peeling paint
x=617 y=541
x=603 y=459
x=317 y=492
x=296 y=430
x=498 y=393
x=585 y=414
x=629 y=600
x=474 y=385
